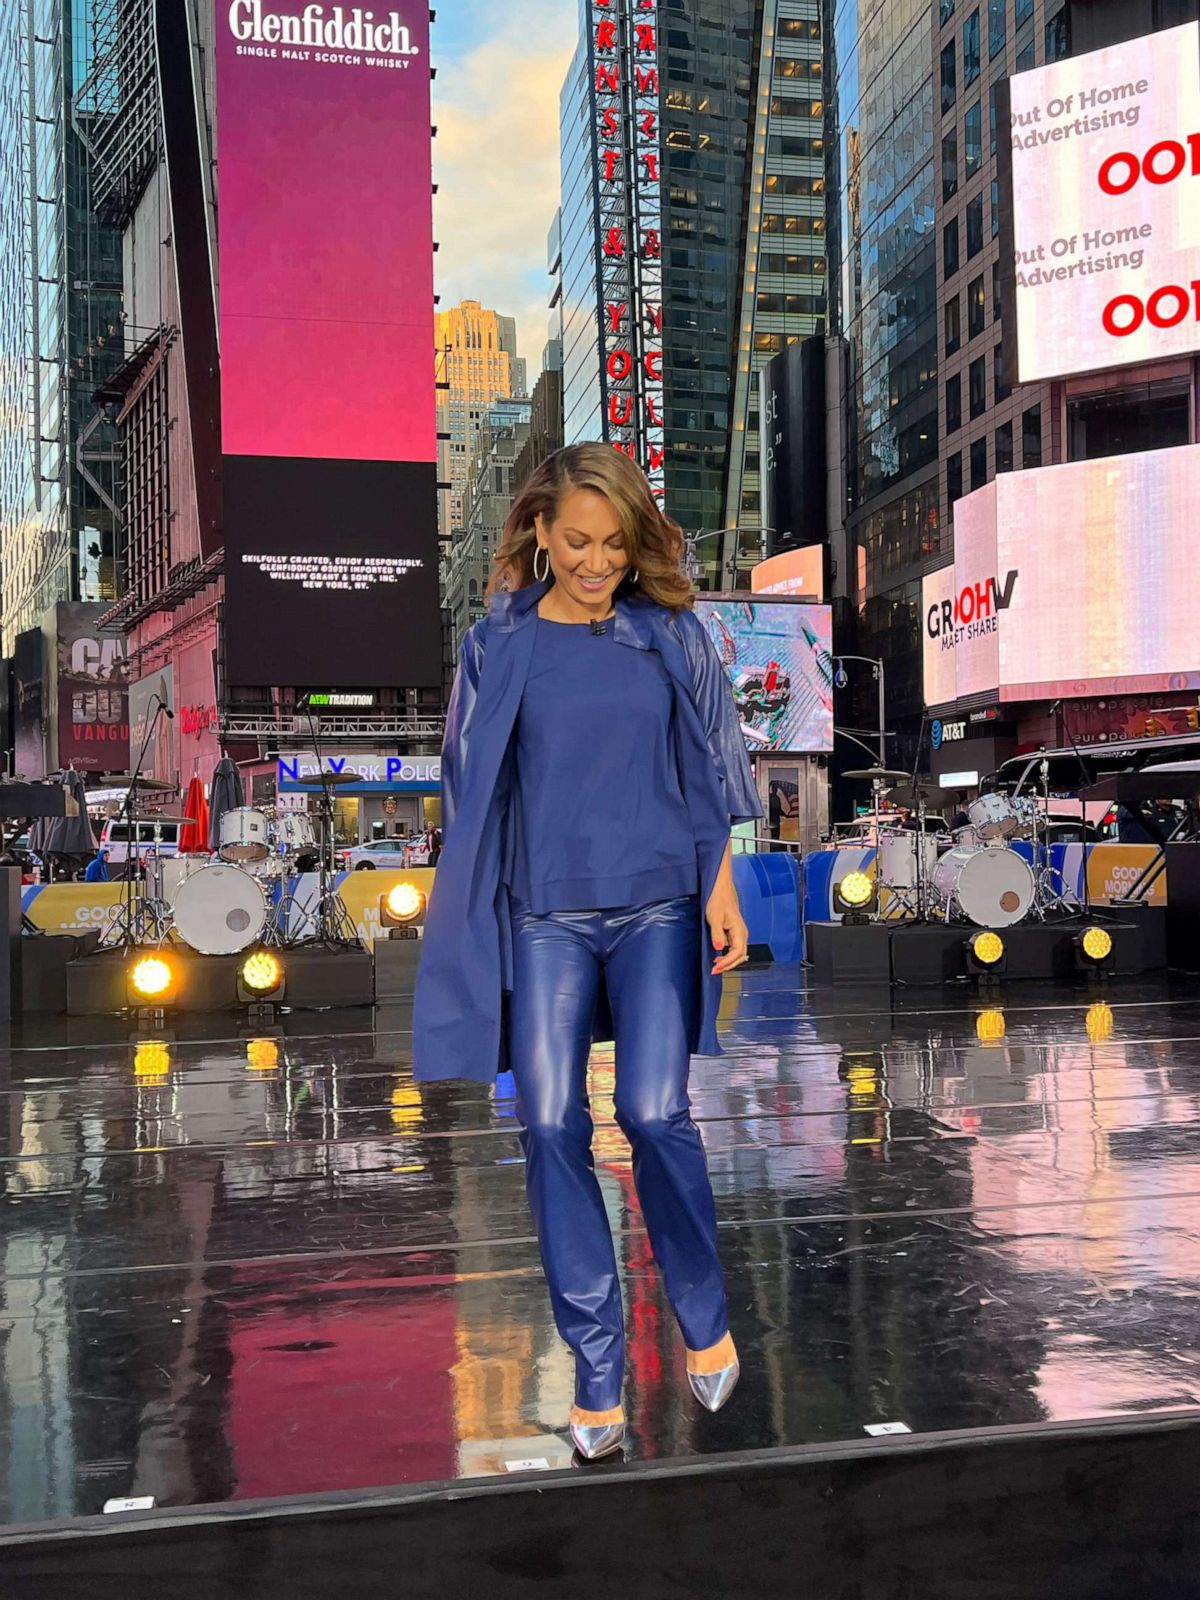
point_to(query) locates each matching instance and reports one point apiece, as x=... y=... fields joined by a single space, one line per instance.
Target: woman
x=593 y=762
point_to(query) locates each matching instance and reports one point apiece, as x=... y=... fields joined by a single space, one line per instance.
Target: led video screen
x=778 y=656
x=1106 y=225
x=326 y=333
x=1069 y=580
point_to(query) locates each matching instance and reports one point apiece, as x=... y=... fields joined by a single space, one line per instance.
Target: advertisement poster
x=326 y=332
x=778 y=655
x=145 y=696
x=1105 y=158
x=93 y=693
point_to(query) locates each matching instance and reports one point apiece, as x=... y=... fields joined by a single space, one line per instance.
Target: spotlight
x=260 y=978
x=985 y=953
x=990 y=1026
x=150 y=983
x=854 y=895
x=402 y=909
x=1094 y=950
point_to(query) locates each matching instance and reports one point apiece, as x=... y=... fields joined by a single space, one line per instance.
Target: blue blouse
x=599 y=814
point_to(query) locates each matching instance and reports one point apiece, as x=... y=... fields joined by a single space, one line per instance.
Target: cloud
x=496 y=162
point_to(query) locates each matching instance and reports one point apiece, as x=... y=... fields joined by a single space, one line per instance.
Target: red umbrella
x=193 y=836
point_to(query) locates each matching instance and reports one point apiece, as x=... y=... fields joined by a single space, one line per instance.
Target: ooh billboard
x=145 y=695
x=92 y=690
x=1067 y=581
x=326 y=333
x=1106 y=225
x=777 y=654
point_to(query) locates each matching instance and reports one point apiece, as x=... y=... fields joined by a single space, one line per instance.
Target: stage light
x=262 y=1054
x=1094 y=949
x=985 y=952
x=1100 y=1022
x=151 y=978
x=261 y=973
x=990 y=1026
x=854 y=895
x=401 y=909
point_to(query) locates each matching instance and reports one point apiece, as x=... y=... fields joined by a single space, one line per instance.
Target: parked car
x=393 y=853
x=115 y=837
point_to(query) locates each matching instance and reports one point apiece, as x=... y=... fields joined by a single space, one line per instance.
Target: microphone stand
x=331 y=921
x=125 y=926
x=1087 y=777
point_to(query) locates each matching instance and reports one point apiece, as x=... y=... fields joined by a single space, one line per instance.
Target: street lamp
x=841 y=680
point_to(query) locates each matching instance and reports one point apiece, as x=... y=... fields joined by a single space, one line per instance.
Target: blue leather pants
x=648 y=955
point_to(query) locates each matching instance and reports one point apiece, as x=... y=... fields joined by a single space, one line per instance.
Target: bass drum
x=220 y=910
x=991 y=888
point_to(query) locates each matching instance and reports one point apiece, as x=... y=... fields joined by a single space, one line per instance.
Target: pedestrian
x=97 y=868
x=434 y=844
x=592 y=767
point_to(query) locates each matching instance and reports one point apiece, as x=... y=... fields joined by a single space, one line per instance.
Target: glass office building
x=740 y=152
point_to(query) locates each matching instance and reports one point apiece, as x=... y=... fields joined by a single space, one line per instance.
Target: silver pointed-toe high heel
x=712 y=1389
x=594 y=1440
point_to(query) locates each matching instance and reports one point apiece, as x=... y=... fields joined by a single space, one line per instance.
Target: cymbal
x=911 y=795
x=314 y=780
x=155 y=816
x=884 y=774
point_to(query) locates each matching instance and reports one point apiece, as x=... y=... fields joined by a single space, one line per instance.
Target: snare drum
x=245 y=835
x=992 y=817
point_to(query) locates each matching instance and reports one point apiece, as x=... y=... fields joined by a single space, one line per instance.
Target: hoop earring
x=634 y=575
x=541 y=551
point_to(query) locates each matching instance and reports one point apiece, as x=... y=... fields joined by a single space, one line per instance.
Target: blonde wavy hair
x=653 y=542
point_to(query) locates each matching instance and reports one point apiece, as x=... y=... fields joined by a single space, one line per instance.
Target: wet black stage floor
x=262 y=1264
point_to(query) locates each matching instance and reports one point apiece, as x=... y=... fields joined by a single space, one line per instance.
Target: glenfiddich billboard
x=325 y=237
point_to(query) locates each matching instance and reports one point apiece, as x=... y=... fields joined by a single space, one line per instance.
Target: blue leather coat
x=459 y=1008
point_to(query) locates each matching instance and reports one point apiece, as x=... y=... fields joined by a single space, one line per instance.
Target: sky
x=495 y=158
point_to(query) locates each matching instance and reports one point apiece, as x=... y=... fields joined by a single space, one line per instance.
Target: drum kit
x=980 y=878
x=245 y=897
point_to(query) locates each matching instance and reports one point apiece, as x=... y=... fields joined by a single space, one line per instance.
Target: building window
x=976 y=307
x=1058 y=37
x=978 y=386
x=1031 y=437
x=949 y=163
x=993 y=117
x=950 y=248
x=995 y=291
x=973 y=138
x=1004 y=443
x=1025 y=56
x=953 y=403
x=953 y=478
x=999 y=374
x=949 y=87
x=978 y=463
x=953 y=326
x=1022 y=11
x=974 y=226
x=945 y=11
x=997 y=27
x=971 y=49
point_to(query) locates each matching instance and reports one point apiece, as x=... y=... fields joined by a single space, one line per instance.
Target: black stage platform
x=294 y=1298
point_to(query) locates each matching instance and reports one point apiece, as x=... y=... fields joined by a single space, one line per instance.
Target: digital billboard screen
x=778 y=656
x=1067 y=581
x=326 y=332
x=1106 y=225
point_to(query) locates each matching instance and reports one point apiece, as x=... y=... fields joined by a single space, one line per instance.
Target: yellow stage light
x=987 y=948
x=1097 y=944
x=403 y=902
x=990 y=1026
x=261 y=972
x=151 y=1059
x=150 y=977
x=262 y=1054
x=856 y=888
x=1100 y=1022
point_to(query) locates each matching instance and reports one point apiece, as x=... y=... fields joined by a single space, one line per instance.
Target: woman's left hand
x=727 y=927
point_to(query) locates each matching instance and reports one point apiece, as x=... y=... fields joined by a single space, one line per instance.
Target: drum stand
x=1049 y=885
x=328 y=918
x=140 y=918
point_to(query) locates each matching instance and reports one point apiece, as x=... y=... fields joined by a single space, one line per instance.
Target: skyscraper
x=60 y=315
x=477 y=362
x=692 y=240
